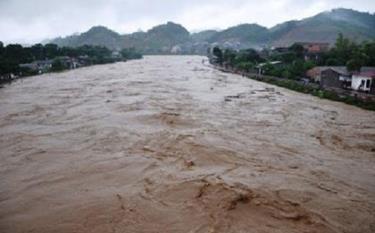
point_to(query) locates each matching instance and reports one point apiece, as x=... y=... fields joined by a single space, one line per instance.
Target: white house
x=176 y=49
x=363 y=81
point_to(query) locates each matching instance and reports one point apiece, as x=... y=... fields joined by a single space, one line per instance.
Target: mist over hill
x=174 y=38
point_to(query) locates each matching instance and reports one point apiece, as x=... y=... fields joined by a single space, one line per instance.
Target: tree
x=51 y=51
x=287 y=74
x=246 y=66
x=249 y=55
x=1 y=48
x=367 y=50
x=229 y=57
x=288 y=57
x=15 y=53
x=268 y=68
x=218 y=54
x=297 y=68
x=298 y=50
x=37 y=51
x=7 y=67
x=332 y=62
x=343 y=50
x=354 y=65
x=308 y=65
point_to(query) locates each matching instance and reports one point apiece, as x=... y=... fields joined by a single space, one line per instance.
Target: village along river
x=168 y=144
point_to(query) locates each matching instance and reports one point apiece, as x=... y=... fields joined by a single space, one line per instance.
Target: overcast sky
x=31 y=21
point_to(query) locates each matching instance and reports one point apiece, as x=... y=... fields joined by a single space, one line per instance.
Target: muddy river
x=168 y=144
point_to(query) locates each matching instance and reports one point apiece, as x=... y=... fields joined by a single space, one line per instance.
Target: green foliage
x=245 y=66
x=368 y=48
x=332 y=62
x=287 y=74
x=244 y=60
x=229 y=57
x=1 y=48
x=354 y=65
x=7 y=67
x=350 y=54
x=51 y=51
x=248 y=55
x=268 y=68
x=218 y=55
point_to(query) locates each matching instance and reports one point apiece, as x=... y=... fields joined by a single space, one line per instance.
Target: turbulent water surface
x=168 y=144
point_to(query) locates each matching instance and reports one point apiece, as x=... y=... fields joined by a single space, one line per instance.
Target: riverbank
x=365 y=101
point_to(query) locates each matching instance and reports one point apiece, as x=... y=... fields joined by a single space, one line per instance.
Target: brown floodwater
x=168 y=144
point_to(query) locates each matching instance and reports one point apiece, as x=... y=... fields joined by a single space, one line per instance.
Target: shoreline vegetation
x=288 y=68
x=18 y=62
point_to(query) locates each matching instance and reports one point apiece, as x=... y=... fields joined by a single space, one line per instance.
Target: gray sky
x=31 y=21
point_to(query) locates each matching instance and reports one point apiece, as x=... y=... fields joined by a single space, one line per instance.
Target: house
x=40 y=66
x=69 y=62
x=84 y=60
x=335 y=77
x=364 y=81
x=31 y=66
x=44 y=65
x=280 y=50
x=340 y=77
x=315 y=73
x=313 y=50
x=314 y=47
x=116 y=55
x=176 y=49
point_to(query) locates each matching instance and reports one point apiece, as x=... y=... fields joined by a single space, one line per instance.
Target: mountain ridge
x=322 y=27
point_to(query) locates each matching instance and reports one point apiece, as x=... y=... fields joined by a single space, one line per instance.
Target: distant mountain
x=323 y=27
x=162 y=38
x=248 y=35
x=98 y=35
x=203 y=35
